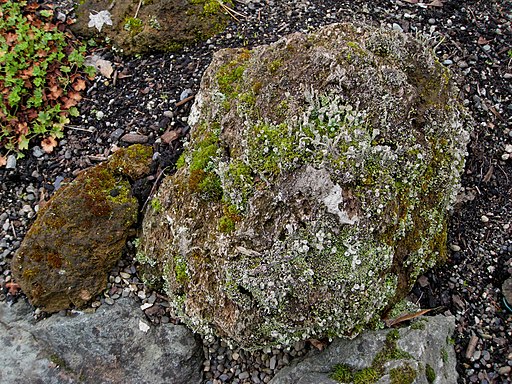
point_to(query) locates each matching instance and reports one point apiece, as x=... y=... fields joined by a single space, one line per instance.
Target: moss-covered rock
x=315 y=188
x=159 y=25
x=78 y=235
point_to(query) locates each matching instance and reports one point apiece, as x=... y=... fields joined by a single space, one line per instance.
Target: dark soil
x=473 y=38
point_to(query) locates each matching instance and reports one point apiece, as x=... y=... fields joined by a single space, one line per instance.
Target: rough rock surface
x=421 y=353
x=78 y=235
x=314 y=190
x=105 y=347
x=159 y=25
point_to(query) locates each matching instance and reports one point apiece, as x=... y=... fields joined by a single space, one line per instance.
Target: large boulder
x=421 y=354
x=78 y=236
x=155 y=25
x=106 y=347
x=315 y=187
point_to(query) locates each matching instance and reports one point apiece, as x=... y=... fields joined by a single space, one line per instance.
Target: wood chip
x=170 y=135
x=488 y=175
x=471 y=346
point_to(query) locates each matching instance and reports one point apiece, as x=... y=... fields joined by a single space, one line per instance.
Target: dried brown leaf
x=406 y=317
x=320 y=345
x=3 y=161
x=436 y=3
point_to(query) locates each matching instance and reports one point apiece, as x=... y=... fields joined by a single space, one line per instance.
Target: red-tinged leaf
x=75 y=96
x=68 y=102
x=406 y=317
x=79 y=85
x=13 y=288
x=11 y=38
x=22 y=129
x=55 y=92
x=3 y=161
x=48 y=144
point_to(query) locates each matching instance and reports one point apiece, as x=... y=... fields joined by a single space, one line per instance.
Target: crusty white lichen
x=315 y=188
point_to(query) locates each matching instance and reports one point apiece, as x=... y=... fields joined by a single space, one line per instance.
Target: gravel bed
x=473 y=38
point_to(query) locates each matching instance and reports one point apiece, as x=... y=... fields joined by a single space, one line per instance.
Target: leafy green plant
x=40 y=78
x=134 y=25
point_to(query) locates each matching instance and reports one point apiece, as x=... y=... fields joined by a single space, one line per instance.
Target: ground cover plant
x=42 y=72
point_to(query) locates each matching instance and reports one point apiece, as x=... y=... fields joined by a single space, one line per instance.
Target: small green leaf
x=73 y=111
x=23 y=143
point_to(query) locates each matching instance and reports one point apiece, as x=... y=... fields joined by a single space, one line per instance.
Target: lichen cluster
x=315 y=187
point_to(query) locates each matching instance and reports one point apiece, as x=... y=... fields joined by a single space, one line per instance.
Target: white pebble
x=484 y=219
x=454 y=247
x=143 y=326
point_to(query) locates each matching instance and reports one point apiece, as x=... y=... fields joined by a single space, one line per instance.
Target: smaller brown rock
x=78 y=236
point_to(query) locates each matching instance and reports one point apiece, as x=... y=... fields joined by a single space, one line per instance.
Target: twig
x=76 y=128
x=184 y=101
x=13 y=231
x=137 y=11
x=231 y=11
x=151 y=193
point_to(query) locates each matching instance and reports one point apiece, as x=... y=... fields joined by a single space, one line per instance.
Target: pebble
x=109 y=301
x=397 y=27
x=134 y=138
x=11 y=162
x=505 y=370
x=484 y=219
x=454 y=247
x=117 y=134
x=244 y=375
x=37 y=152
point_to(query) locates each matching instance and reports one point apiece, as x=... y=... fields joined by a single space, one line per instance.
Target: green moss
x=180 y=271
x=366 y=376
x=156 y=204
x=134 y=25
x=274 y=65
x=444 y=355
x=229 y=77
x=342 y=373
x=402 y=375
x=430 y=373
x=174 y=46
x=226 y=224
x=418 y=324
x=133 y=161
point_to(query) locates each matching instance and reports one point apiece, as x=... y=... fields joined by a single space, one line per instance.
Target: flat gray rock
x=423 y=350
x=105 y=347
